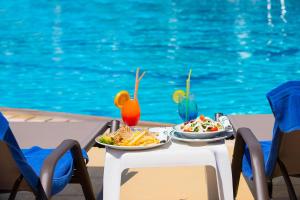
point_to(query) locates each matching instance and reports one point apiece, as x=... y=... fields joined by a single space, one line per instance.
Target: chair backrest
x=289 y=151
x=9 y=171
x=285 y=104
x=12 y=161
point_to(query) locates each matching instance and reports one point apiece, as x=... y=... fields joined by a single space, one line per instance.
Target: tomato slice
x=214 y=129
x=202 y=118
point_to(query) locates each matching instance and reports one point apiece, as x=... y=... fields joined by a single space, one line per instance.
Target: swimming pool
x=74 y=56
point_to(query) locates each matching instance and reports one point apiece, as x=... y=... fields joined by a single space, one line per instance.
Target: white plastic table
x=171 y=155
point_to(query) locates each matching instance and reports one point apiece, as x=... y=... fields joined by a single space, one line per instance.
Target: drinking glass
x=130 y=112
x=188 y=109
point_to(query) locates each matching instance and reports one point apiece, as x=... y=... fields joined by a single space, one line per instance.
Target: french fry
x=138 y=137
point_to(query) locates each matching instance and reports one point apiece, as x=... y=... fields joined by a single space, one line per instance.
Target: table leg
x=223 y=172
x=112 y=178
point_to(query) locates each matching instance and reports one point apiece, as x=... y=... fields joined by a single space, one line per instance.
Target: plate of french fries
x=127 y=138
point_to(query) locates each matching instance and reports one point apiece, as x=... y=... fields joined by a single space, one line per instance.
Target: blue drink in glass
x=187 y=109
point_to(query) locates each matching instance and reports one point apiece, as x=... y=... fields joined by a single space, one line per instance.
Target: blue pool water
x=74 y=56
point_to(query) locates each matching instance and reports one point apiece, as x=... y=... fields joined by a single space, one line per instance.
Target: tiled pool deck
x=180 y=183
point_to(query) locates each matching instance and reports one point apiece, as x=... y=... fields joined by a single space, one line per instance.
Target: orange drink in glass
x=130 y=112
x=130 y=108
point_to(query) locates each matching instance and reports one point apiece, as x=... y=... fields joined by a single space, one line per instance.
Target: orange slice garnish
x=121 y=98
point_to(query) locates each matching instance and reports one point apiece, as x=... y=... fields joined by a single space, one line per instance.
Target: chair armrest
x=244 y=137
x=49 y=164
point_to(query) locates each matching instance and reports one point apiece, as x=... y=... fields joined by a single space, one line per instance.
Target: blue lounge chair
x=261 y=161
x=45 y=172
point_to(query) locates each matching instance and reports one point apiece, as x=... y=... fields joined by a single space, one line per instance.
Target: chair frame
x=261 y=185
x=44 y=187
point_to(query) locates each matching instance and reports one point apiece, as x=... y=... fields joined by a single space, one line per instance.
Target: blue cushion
x=246 y=166
x=63 y=169
x=285 y=104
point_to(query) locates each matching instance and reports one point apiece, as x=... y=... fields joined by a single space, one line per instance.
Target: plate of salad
x=200 y=128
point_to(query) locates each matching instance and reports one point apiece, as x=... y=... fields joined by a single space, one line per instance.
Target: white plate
x=163 y=135
x=175 y=136
x=198 y=135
